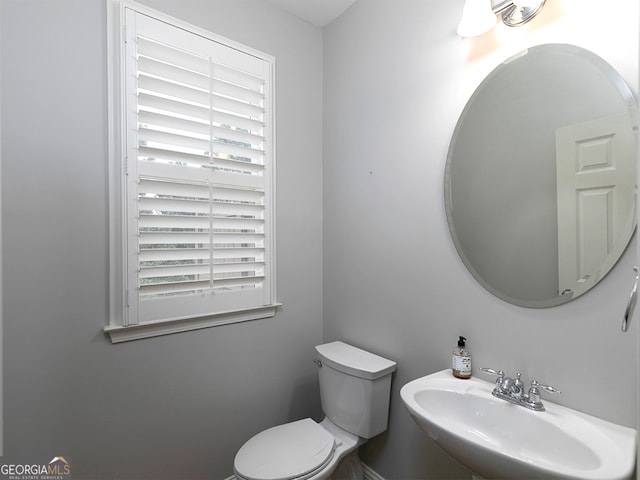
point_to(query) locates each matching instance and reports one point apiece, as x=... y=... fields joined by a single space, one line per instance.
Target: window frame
x=120 y=327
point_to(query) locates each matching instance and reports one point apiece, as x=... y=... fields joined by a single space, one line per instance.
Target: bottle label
x=462 y=364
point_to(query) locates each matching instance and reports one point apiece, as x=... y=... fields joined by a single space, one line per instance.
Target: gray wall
x=395 y=80
x=396 y=77
x=172 y=407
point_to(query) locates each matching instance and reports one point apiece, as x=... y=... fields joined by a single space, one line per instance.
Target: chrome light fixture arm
x=479 y=16
x=516 y=13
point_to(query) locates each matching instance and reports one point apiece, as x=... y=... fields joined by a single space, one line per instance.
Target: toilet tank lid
x=355 y=361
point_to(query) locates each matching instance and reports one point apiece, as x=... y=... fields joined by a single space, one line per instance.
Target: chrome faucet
x=512 y=390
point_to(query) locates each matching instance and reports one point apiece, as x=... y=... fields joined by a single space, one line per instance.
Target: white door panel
x=596 y=196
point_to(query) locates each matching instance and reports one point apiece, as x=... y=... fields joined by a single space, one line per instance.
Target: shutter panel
x=199 y=184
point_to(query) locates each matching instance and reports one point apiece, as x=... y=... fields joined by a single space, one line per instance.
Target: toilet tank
x=355 y=387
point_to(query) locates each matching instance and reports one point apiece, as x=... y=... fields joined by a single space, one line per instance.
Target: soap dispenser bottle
x=461 y=360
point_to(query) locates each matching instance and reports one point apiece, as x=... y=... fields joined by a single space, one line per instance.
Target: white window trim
x=120 y=334
x=117 y=329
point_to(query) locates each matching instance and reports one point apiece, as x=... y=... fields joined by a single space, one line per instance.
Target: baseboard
x=367 y=472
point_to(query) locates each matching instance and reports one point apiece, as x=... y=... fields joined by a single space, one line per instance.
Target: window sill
x=119 y=334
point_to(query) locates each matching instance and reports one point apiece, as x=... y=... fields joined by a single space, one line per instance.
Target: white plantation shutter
x=199 y=174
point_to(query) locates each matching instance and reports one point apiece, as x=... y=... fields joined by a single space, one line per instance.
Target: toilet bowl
x=298 y=450
x=355 y=386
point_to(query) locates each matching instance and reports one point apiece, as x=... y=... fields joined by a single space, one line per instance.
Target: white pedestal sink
x=497 y=439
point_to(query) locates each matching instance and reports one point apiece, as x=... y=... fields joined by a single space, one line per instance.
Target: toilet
x=355 y=387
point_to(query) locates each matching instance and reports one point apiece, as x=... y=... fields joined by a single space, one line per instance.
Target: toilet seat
x=296 y=450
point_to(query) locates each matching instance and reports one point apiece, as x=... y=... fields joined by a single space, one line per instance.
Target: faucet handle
x=499 y=373
x=532 y=400
x=491 y=371
x=548 y=388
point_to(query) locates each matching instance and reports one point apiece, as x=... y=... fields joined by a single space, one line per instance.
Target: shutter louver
x=200 y=179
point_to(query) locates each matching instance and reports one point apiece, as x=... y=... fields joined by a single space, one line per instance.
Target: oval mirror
x=540 y=181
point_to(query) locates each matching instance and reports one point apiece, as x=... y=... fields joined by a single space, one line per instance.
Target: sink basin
x=496 y=439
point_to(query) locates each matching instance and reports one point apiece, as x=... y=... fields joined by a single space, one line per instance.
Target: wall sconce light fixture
x=479 y=16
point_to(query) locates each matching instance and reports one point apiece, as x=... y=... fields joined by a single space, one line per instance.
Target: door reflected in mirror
x=540 y=181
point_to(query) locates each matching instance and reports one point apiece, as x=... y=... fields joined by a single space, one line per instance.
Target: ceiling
x=317 y=12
